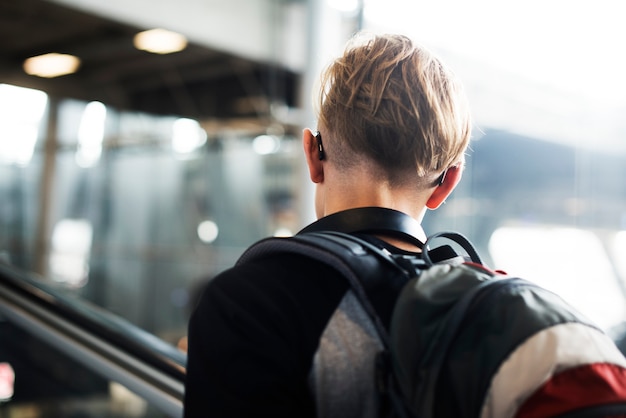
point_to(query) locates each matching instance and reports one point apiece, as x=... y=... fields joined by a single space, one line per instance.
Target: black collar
x=371 y=220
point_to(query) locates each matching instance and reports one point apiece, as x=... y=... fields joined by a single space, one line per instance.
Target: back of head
x=392 y=103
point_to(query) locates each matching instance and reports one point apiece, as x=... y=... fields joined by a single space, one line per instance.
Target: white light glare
x=208 y=231
x=619 y=251
x=345 y=6
x=21 y=111
x=548 y=256
x=187 y=136
x=91 y=134
x=71 y=249
x=160 y=41
x=266 y=144
x=283 y=232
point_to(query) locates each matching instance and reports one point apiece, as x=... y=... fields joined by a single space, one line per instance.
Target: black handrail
x=119 y=349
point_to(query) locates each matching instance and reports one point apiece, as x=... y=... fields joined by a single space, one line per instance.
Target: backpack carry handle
x=457 y=238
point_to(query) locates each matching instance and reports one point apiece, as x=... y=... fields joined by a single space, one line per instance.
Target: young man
x=285 y=337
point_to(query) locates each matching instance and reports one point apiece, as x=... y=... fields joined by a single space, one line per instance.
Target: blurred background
x=135 y=175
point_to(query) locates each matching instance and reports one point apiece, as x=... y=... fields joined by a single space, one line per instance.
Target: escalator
x=62 y=357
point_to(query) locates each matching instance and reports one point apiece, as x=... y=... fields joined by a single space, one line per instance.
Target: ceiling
x=197 y=82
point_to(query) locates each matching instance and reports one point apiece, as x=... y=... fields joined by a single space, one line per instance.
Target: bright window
x=571 y=262
x=21 y=111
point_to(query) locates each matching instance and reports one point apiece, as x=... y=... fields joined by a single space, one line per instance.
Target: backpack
x=466 y=341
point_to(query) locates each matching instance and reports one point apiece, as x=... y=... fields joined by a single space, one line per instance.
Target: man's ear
x=311 y=153
x=450 y=179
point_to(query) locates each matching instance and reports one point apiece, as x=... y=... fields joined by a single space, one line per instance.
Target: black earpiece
x=320 y=147
x=442 y=178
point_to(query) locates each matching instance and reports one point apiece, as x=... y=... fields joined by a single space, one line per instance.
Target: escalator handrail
x=115 y=344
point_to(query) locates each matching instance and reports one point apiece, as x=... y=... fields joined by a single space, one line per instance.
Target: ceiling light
x=160 y=41
x=51 y=65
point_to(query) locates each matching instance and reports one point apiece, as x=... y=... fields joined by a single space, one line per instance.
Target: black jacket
x=253 y=336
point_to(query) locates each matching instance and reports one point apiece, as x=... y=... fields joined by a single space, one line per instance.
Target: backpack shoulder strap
x=360 y=262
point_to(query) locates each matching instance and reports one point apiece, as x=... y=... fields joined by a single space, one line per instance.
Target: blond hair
x=395 y=104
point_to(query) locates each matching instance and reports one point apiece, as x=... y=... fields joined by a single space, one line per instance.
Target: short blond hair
x=395 y=104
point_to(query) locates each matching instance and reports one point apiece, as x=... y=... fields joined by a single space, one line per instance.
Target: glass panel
x=144 y=208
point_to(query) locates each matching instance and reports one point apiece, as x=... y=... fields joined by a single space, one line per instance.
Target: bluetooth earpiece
x=442 y=178
x=320 y=147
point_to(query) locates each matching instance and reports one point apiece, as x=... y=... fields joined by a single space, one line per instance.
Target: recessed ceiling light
x=160 y=41
x=51 y=65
